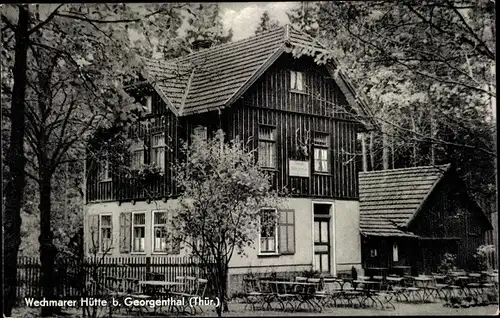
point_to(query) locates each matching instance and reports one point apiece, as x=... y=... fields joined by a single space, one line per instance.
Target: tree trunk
x=363 y=152
x=15 y=162
x=372 y=151
x=385 y=152
x=385 y=148
x=414 y=143
x=433 y=136
x=47 y=248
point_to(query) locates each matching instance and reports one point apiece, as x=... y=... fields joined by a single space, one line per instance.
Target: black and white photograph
x=242 y=159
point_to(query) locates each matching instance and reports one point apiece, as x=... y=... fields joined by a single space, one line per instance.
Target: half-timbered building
x=301 y=116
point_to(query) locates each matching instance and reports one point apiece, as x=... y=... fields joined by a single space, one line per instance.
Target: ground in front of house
x=237 y=309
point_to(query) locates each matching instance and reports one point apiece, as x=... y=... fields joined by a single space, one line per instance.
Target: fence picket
x=70 y=276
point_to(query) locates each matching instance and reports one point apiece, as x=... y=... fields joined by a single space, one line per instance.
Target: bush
x=483 y=253
x=448 y=263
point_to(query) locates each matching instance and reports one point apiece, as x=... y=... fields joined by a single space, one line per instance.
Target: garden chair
x=349 y=294
x=333 y=288
x=252 y=293
x=283 y=296
x=385 y=295
x=410 y=291
x=319 y=295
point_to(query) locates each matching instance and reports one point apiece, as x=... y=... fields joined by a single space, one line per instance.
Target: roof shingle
x=390 y=198
x=213 y=78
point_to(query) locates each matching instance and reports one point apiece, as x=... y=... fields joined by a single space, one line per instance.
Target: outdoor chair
x=319 y=294
x=194 y=287
x=333 y=288
x=252 y=293
x=473 y=287
x=349 y=294
x=410 y=291
x=385 y=295
x=284 y=297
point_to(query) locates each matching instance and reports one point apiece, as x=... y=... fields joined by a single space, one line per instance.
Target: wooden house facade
x=412 y=217
x=302 y=118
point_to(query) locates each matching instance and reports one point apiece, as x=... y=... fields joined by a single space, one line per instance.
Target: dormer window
x=148 y=104
x=296 y=81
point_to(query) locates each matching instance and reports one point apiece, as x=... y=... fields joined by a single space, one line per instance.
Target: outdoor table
x=424 y=283
x=368 y=291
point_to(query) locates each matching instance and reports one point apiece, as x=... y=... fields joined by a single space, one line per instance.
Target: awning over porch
x=381 y=227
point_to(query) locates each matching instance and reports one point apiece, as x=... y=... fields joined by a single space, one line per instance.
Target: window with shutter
x=138 y=231
x=93 y=237
x=268 y=232
x=105 y=233
x=286 y=225
x=125 y=231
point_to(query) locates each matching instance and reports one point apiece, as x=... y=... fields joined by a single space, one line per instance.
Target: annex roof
x=216 y=77
x=389 y=199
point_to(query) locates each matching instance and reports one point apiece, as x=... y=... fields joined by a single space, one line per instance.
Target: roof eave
x=354 y=99
x=427 y=196
x=256 y=75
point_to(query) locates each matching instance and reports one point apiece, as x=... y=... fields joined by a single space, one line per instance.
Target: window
x=268 y=231
x=200 y=131
x=395 y=253
x=161 y=242
x=148 y=104
x=105 y=233
x=138 y=231
x=296 y=81
x=158 y=151
x=286 y=234
x=267 y=147
x=137 y=154
x=104 y=169
x=321 y=150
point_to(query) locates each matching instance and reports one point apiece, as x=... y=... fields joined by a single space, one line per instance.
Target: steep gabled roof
x=215 y=78
x=389 y=199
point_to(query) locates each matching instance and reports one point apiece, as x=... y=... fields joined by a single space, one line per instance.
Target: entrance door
x=322 y=244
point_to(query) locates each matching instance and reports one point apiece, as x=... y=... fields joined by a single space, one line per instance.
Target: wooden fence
x=72 y=276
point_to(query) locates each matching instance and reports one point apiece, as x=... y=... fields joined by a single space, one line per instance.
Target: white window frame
x=395 y=252
x=319 y=151
x=297 y=81
x=276 y=247
x=153 y=236
x=271 y=142
x=101 y=227
x=137 y=146
x=155 y=148
x=133 y=249
x=148 y=104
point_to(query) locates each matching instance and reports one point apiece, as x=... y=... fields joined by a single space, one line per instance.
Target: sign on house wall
x=298 y=168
